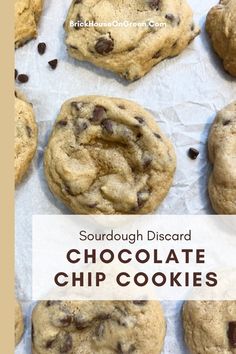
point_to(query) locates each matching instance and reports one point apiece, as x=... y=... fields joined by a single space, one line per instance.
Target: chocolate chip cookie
x=108 y=156
x=105 y=327
x=154 y=31
x=221 y=27
x=25 y=136
x=27 y=14
x=222 y=154
x=210 y=327
x=19 y=322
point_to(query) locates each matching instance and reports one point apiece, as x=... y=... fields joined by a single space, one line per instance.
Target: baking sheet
x=183 y=93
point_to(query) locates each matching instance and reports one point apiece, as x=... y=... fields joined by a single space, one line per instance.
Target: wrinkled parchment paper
x=183 y=93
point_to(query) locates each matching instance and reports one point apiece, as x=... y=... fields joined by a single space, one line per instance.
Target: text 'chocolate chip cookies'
x=108 y=156
x=210 y=327
x=221 y=26
x=27 y=14
x=25 y=136
x=222 y=153
x=133 y=50
x=101 y=327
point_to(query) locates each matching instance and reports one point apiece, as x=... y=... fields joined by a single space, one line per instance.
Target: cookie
x=25 y=136
x=222 y=154
x=210 y=326
x=221 y=27
x=108 y=156
x=19 y=322
x=133 y=50
x=101 y=327
x=27 y=14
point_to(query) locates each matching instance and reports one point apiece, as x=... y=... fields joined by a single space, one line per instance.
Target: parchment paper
x=183 y=93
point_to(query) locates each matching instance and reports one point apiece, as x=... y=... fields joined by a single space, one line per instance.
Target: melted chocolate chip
x=77 y=2
x=53 y=64
x=49 y=343
x=147 y=161
x=23 y=78
x=62 y=123
x=140 y=302
x=16 y=74
x=157 y=135
x=193 y=153
x=232 y=334
x=42 y=48
x=50 y=303
x=99 y=113
x=76 y=105
x=67 y=344
x=80 y=322
x=157 y=54
x=107 y=126
x=154 y=4
x=29 y=131
x=121 y=106
x=123 y=348
x=170 y=17
x=93 y=205
x=79 y=23
x=80 y=127
x=65 y=321
x=140 y=120
x=226 y=122
x=104 y=45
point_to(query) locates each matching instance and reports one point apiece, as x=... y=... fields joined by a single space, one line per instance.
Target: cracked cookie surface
x=222 y=154
x=19 y=322
x=108 y=156
x=129 y=51
x=210 y=326
x=27 y=14
x=221 y=27
x=102 y=327
x=25 y=136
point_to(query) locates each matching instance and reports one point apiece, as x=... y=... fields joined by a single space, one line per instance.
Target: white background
x=183 y=93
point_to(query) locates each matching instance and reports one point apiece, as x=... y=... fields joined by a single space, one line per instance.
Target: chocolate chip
x=123 y=348
x=51 y=302
x=99 y=113
x=65 y=321
x=157 y=135
x=99 y=331
x=140 y=120
x=93 y=205
x=76 y=105
x=154 y=4
x=193 y=153
x=80 y=322
x=121 y=106
x=77 y=2
x=16 y=74
x=170 y=17
x=29 y=131
x=42 y=48
x=62 y=123
x=67 y=344
x=104 y=45
x=192 y=26
x=23 y=78
x=80 y=127
x=49 y=343
x=147 y=160
x=32 y=332
x=53 y=64
x=142 y=197
x=157 y=54
x=78 y=23
x=108 y=126
x=232 y=334
x=226 y=122
x=140 y=302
